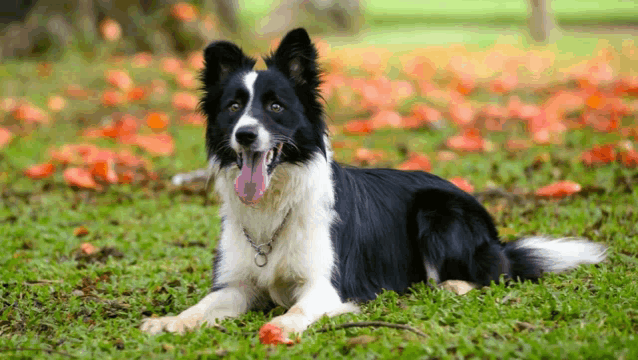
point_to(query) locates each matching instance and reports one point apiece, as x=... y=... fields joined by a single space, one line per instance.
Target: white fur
x=557 y=255
x=263 y=136
x=431 y=271
x=300 y=266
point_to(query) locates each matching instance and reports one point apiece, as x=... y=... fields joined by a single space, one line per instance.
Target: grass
x=157 y=246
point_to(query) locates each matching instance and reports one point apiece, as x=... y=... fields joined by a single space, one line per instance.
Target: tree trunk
x=542 y=23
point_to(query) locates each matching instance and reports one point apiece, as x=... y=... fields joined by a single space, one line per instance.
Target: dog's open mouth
x=255 y=171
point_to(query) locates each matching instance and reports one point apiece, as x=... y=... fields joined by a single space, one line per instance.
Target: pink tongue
x=250 y=185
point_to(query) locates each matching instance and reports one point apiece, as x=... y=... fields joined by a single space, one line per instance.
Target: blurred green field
x=504 y=12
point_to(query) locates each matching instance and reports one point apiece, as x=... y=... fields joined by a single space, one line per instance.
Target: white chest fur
x=302 y=251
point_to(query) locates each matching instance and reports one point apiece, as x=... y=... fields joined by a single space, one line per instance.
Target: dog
x=317 y=237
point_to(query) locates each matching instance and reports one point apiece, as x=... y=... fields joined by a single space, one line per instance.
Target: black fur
x=390 y=222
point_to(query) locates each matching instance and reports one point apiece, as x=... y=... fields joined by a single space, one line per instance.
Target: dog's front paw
x=173 y=324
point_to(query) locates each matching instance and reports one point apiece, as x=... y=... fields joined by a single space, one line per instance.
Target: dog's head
x=257 y=120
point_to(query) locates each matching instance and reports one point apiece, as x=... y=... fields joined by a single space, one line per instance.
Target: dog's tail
x=530 y=258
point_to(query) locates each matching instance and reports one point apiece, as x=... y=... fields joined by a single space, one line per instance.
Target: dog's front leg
x=230 y=301
x=316 y=299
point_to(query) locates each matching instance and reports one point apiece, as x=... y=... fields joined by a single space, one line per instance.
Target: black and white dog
x=306 y=233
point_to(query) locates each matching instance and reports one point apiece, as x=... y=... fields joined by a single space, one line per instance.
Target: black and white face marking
x=258 y=120
x=255 y=147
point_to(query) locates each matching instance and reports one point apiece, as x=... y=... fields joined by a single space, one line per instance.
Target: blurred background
x=110 y=87
x=50 y=27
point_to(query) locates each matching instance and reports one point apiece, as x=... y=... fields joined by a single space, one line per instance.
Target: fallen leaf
x=358 y=127
x=364 y=156
x=5 y=137
x=88 y=248
x=80 y=178
x=112 y=98
x=30 y=114
x=462 y=184
x=110 y=30
x=599 y=155
x=157 y=120
x=270 y=334
x=171 y=65
x=559 y=189
x=159 y=144
x=185 y=101
x=79 y=232
x=416 y=162
x=136 y=94
x=40 y=171
x=360 y=340
x=118 y=78
x=56 y=103
x=385 y=119
x=104 y=169
x=184 y=12
x=470 y=140
x=628 y=158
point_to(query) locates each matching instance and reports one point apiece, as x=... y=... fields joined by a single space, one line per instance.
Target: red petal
x=270 y=334
x=416 y=162
x=40 y=171
x=559 y=189
x=462 y=184
x=80 y=178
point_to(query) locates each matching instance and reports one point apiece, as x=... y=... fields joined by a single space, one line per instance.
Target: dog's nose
x=246 y=135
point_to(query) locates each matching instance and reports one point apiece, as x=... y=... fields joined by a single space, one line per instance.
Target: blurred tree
x=542 y=23
x=315 y=15
x=33 y=27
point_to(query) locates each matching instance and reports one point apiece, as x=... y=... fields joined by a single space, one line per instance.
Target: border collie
x=306 y=233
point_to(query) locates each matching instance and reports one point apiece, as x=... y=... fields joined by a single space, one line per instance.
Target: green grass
x=161 y=242
x=387 y=13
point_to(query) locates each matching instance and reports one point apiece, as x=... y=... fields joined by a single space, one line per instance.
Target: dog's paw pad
x=270 y=334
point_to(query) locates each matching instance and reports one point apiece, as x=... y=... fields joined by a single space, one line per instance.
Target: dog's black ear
x=221 y=58
x=296 y=57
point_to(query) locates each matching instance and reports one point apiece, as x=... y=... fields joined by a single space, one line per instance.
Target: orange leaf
x=416 y=162
x=386 y=118
x=110 y=30
x=126 y=177
x=559 y=189
x=142 y=60
x=470 y=141
x=136 y=94
x=184 y=12
x=367 y=156
x=186 y=80
x=111 y=98
x=88 y=248
x=157 y=120
x=270 y=334
x=79 y=232
x=599 y=155
x=504 y=84
x=119 y=79
x=159 y=144
x=105 y=170
x=56 y=103
x=40 y=171
x=595 y=101
x=462 y=184
x=185 y=101
x=5 y=137
x=358 y=127
x=30 y=114
x=462 y=113
x=80 y=178
x=628 y=158
x=171 y=65
x=196 y=60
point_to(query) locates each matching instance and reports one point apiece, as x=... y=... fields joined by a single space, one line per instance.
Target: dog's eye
x=234 y=107
x=276 y=107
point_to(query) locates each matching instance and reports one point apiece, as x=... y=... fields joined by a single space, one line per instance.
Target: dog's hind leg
x=315 y=300
x=220 y=304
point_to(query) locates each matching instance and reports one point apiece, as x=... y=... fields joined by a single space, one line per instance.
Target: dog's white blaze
x=557 y=255
x=246 y=119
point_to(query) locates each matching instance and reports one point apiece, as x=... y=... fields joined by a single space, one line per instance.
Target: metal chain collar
x=263 y=250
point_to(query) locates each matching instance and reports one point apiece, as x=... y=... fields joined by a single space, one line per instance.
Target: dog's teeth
x=269 y=157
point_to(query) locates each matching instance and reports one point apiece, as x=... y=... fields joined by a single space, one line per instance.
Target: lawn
x=81 y=267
